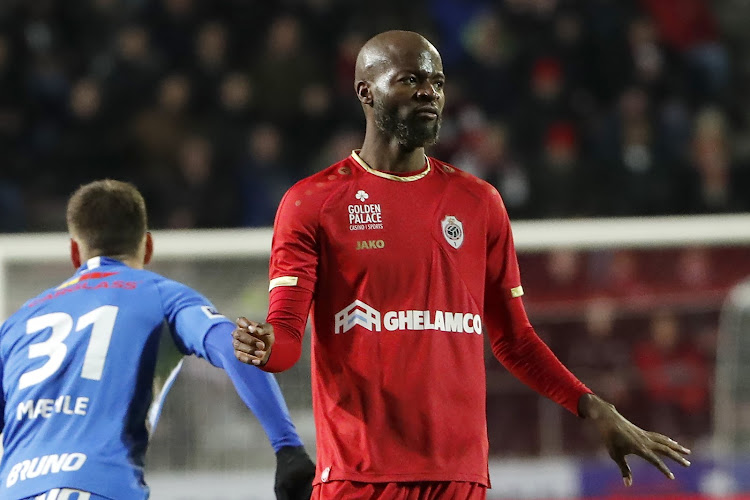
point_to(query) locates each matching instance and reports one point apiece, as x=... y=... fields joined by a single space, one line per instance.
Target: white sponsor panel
x=511 y=480
x=359 y=313
x=534 y=478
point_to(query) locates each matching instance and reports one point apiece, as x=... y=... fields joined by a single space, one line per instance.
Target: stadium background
x=590 y=108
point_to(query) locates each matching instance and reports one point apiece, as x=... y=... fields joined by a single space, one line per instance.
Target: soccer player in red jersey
x=407 y=263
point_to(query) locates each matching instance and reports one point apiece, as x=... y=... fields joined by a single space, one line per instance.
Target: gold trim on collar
x=392 y=177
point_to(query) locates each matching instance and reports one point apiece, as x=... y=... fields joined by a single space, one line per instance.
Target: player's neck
x=136 y=262
x=389 y=155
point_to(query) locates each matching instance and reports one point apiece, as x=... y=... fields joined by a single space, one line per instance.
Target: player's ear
x=363 y=92
x=149 y=249
x=75 y=253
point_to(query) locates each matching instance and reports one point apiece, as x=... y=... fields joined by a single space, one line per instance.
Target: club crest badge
x=453 y=231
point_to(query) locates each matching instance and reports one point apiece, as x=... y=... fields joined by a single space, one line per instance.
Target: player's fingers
x=662 y=439
x=627 y=475
x=244 y=347
x=245 y=323
x=245 y=337
x=249 y=359
x=669 y=452
x=651 y=457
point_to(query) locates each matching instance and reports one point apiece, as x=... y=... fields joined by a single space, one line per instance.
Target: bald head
x=399 y=82
x=383 y=50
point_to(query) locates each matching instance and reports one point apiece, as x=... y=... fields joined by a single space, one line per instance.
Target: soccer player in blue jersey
x=79 y=363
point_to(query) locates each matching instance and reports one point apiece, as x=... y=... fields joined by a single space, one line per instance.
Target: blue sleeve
x=190 y=316
x=258 y=389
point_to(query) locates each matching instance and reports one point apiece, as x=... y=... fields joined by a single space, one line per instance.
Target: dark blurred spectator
x=341 y=143
x=159 y=129
x=485 y=152
x=47 y=86
x=134 y=70
x=12 y=115
x=12 y=207
x=689 y=27
x=647 y=57
x=315 y=119
x=602 y=358
x=453 y=19
x=560 y=174
x=87 y=144
x=694 y=269
x=173 y=25
x=227 y=124
x=712 y=182
x=211 y=63
x=284 y=69
x=630 y=170
x=202 y=195
x=675 y=376
x=263 y=176
x=615 y=274
x=545 y=103
x=488 y=67
x=565 y=275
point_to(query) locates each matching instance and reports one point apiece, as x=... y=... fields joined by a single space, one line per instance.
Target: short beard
x=411 y=133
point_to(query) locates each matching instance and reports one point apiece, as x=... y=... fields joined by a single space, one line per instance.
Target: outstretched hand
x=623 y=438
x=252 y=341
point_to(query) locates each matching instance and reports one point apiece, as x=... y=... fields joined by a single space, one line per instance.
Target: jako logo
x=41 y=466
x=359 y=313
x=370 y=244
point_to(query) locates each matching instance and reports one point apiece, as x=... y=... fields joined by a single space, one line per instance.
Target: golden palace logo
x=370 y=244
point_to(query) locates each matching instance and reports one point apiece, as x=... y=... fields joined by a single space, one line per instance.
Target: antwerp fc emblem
x=453 y=231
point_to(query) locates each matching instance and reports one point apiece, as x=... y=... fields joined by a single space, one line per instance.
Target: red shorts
x=442 y=490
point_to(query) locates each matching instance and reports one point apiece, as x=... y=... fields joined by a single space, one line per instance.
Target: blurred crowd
x=569 y=107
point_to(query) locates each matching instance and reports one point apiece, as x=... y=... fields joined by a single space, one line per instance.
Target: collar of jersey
x=95 y=262
x=386 y=175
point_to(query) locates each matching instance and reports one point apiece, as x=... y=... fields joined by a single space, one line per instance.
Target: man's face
x=408 y=98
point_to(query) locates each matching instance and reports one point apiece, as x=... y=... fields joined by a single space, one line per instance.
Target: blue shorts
x=67 y=494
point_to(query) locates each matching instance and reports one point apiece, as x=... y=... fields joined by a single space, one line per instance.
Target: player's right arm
x=276 y=345
x=198 y=329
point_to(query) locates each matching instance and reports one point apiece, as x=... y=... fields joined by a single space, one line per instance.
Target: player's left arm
x=199 y=329
x=517 y=346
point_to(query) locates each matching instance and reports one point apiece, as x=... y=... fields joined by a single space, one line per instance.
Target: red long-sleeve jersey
x=406 y=274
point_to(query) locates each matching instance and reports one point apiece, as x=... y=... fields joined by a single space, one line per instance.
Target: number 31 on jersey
x=103 y=321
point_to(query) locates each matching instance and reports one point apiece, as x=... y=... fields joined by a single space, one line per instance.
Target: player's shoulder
x=464 y=180
x=164 y=285
x=325 y=182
